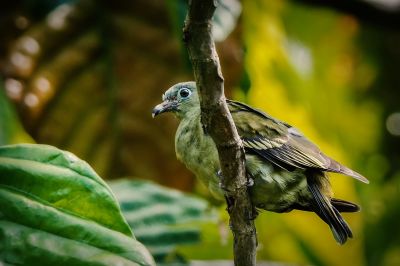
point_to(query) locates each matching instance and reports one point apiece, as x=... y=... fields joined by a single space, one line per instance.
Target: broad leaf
x=163 y=218
x=56 y=208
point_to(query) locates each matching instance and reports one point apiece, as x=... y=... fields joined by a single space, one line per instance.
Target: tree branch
x=219 y=124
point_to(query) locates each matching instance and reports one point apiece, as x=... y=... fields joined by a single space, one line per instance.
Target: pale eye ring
x=184 y=93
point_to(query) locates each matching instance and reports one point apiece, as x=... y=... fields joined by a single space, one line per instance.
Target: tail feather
x=328 y=213
x=344 y=206
x=339 y=168
x=343 y=224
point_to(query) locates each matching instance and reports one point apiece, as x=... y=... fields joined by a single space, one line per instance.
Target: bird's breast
x=198 y=152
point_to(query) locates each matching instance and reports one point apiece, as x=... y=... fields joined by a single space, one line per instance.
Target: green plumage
x=289 y=171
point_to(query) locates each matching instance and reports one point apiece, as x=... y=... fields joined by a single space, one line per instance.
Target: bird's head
x=181 y=99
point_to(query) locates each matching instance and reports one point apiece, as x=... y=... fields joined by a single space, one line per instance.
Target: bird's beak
x=166 y=106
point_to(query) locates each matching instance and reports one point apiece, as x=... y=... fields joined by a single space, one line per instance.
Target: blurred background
x=84 y=76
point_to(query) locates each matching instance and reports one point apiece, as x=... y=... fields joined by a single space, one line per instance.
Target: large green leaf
x=55 y=208
x=164 y=219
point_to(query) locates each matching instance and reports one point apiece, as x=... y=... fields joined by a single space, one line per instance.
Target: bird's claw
x=250 y=182
x=219 y=174
x=253 y=215
x=229 y=203
x=220 y=177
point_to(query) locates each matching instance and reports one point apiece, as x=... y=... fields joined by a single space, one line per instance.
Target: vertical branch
x=219 y=124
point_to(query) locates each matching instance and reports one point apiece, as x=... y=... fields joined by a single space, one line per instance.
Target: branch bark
x=218 y=122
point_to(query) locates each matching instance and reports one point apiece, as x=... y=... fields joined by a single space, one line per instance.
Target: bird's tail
x=328 y=211
x=345 y=206
x=336 y=167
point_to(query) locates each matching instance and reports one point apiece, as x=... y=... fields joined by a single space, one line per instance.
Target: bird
x=288 y=171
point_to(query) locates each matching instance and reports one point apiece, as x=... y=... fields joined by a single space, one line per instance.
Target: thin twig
x=219 y=124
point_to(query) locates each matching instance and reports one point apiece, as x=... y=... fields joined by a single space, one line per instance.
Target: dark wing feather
x=280 y=143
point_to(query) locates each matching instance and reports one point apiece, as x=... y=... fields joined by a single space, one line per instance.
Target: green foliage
x=55 y=208
x=10 y=127
x=164 y=219
x=308 y=77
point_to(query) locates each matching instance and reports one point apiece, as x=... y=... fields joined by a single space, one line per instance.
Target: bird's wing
x=281 y=143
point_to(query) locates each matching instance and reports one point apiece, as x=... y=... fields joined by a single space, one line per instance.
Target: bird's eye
x=184 y=92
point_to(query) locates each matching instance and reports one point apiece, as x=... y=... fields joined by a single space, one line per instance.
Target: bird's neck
x=191 y=120
x=189 y=114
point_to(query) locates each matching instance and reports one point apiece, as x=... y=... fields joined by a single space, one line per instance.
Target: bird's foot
x=220 y=178
x=219 y=174
x=229 y=203
x=254 y=213
x=250 y=182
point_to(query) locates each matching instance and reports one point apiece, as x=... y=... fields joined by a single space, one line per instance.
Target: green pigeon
x=286 y=169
